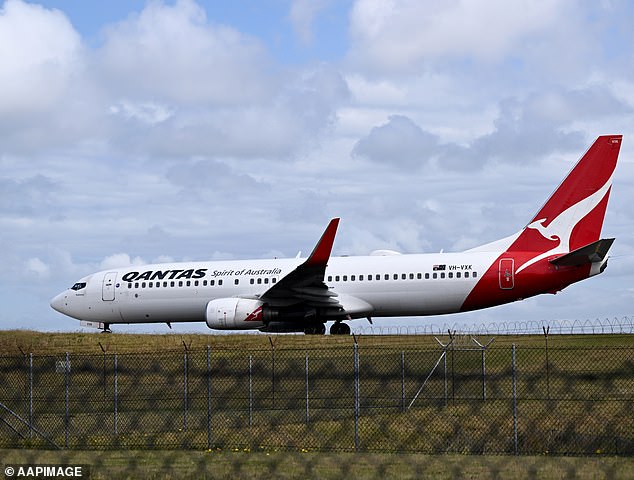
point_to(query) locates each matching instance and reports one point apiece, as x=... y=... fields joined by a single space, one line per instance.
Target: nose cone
x=59 y=303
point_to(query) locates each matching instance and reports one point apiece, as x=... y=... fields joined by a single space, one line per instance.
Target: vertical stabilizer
x=573 y=216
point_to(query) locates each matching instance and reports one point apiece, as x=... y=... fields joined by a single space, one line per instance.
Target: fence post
x=484 y=368
x=208 y=397
x=185 y=388
x=30 y=395
x=67 y=382
x=116 y=396
x=357 y=406
x=272 y=369
x=402 y=381
x=250 y=390
x=546 y=332
x=514 y=367
x=307 y=411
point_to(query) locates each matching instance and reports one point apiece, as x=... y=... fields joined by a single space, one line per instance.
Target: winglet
x=321 y=252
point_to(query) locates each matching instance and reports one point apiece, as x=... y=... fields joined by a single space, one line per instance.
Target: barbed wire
x=615 y=325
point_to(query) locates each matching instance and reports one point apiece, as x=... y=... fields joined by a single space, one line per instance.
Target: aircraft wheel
x=339 y=328
x=316 y=329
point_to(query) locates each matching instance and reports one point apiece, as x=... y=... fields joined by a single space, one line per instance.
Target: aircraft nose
x=58 y=303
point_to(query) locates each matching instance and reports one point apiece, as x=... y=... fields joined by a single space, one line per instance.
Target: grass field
x=15 y=342
x=583 y=406
x=326 y=465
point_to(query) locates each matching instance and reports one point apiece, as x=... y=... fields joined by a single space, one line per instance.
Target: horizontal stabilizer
x=592 y=253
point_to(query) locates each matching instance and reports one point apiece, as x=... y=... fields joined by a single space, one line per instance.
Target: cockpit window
x=78 y=286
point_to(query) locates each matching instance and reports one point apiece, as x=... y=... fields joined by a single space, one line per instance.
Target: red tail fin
x=573 y=215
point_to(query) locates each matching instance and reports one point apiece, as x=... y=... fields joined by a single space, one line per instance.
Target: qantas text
x=194 y=273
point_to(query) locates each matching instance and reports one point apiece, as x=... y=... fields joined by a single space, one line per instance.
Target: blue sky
x=134 y=132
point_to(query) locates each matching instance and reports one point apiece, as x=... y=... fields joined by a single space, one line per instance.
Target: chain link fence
x=474 y=398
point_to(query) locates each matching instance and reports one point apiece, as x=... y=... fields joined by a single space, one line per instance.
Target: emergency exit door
x=507 y=273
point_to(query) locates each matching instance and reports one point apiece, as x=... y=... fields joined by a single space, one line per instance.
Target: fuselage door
x=107 y=292
x=507 y=273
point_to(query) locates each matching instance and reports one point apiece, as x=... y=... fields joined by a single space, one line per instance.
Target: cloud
x=40 y=51
x=400 y=35
x=174 y=53
x=302 y=15
x=38 y=267
x=26 y=197
x=118 y=260
x=398 y=142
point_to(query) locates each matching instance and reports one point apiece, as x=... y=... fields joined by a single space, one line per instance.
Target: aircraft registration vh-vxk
x=560 y=245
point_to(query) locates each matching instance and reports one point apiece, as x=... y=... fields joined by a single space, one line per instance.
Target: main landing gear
x=315 y=329
x=106 y=328
x=339 y=328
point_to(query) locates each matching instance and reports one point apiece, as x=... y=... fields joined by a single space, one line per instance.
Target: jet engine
x=235 y=314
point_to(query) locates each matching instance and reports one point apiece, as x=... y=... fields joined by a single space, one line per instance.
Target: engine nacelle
x=235 y=314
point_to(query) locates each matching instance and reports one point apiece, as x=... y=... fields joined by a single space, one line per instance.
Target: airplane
x=559 y=246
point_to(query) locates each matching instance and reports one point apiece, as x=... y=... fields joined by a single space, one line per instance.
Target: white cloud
x=40 y=51
x=302 y=15
x=38 y=267
x=173 y=53
x=401 y=34
x=120 y=260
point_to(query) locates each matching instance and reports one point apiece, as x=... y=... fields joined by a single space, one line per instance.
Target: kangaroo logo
x=560 y=229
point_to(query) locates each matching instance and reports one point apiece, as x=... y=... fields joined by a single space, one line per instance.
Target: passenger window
x=458 y=275
x=427 y=276
x=403 y=276
x=236 y=281
x=352 y=277
x=274 y=280
x=129 y=285
x=266 y=281
x=396 y=276
x=435 y=275
x=180 y=283
x=220 y=282
x=377 y=277
x=369 y=278
x=196 y=283
x=360 y=278
x=411 y=276
x=345 y=278
x=259 y=281
x=387 y=277
x=172 y=284
x=475 y=274
x=204 y=283
x=136 y=285
x=212 y=282
x=336 y=278
x=330 y=278
x=450 y=274
x=442 y=275
x=189 y=283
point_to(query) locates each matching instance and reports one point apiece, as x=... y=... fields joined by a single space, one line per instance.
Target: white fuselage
x=394 y=285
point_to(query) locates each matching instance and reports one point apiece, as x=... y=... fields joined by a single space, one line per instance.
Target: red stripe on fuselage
x=541 y=277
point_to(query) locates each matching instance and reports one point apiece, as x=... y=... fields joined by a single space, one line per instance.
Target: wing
x=306 y=284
